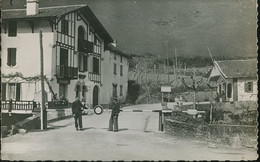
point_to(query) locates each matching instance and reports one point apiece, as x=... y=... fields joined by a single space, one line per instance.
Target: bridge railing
x=19 y=105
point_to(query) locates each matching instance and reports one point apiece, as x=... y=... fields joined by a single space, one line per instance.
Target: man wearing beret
x=113 y=121
x=77 y=109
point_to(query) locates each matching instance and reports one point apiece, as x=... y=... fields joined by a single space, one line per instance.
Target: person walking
x=77 y=109
x=113 y=121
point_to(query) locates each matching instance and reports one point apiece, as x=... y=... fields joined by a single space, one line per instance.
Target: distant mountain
x=227 y=27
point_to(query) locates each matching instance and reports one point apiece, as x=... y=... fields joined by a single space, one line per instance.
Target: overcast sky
x=227 y=27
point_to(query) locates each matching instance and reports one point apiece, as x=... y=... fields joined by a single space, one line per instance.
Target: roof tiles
x=238 y=68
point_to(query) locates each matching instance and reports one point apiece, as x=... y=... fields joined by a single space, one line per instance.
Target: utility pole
x=167 y=62
x=43 y=109
x=176 y=65
x=176 y=61
x=194 y=90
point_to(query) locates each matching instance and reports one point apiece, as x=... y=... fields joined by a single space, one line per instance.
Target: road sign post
x=160 y=121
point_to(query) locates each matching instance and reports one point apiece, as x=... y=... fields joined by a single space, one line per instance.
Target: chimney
x=114 y=43
x=32 y=7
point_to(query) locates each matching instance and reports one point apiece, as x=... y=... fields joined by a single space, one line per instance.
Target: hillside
x=148 y=74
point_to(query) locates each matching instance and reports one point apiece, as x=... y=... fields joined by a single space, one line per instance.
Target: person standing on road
x=77 y=109
x=113 y=121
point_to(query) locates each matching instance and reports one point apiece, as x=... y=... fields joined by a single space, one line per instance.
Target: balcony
x=96 y=78
x=10 y=105
x=86 y=46
x=66 y=72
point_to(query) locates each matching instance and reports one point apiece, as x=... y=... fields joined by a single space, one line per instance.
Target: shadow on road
x=122 y=129
x=48 y=129
x=87 y=128
x=119 y=130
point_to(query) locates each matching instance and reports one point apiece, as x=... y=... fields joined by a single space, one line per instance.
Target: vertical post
x=194 y=99
x=162 y=98
x=162 y=128
x=10 y=107
x=194 y=89
x=43 y=110
x=176 y=61
x=160 y=121
x=210 y=117
x=167 y=68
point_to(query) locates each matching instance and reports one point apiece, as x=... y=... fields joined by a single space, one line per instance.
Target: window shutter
x=18 y=91
x=85 y=63
x=246 y=87
x=121 y=69
x=13 y=56
x=3 y=92
x=95 y=65
x=9 y=57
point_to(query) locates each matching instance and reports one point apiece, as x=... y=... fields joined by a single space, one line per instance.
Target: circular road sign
x=98 y=109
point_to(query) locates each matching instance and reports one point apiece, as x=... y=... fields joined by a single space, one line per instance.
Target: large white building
x=78 y=55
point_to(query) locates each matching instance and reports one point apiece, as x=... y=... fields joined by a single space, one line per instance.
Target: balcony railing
x=86 y=46
x=19 y=105
x=66 y=72
x=94 y=77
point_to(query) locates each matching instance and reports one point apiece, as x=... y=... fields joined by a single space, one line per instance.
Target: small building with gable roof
x=236 y=79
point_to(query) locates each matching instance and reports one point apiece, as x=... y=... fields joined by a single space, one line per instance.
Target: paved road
x=138 y=139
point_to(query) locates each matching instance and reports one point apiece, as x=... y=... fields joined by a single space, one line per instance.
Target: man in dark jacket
x=77 y=109
x=113 y=121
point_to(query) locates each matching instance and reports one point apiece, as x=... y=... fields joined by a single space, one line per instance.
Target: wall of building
x=27 y=46
x=27 y=53
x=246 y=96
x=109 y=78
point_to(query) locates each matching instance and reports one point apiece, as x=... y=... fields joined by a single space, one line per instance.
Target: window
x=81 y=39
x=121 y=70
x=229 y=90
x=114 y=68
x=220 y=90
x=18 y=91
x=249 y=87
x=114 y=90
x=64 y=26
x=78 y=91
x=121 y=90
x=62 y=90
x=114 y=56
x=12 y=29
x=83 y=63
x=11 y=57
x=64 y=62
x=14 y=90
x=97 y=45
x=95 y=65
x=84 y=90
x=121 y=58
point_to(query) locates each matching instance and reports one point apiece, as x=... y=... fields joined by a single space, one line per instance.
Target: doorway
x=95 y=96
